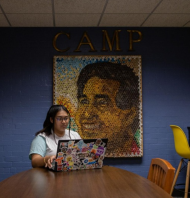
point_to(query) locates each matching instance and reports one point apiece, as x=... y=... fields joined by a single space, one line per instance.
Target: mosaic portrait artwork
x=104 y=97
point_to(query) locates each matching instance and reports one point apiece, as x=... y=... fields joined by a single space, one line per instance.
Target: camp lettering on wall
x=108 y=43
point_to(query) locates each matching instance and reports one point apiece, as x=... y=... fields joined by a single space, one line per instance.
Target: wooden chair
x=161 y=172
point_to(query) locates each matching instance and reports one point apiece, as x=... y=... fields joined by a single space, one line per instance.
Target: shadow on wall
x=120 y=161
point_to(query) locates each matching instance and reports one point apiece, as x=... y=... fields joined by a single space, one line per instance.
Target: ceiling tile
x=187 y=24
x=30 y=20
x=3 y=21
x=76 y=20
x=86 y=13
x=79 y=6
x=174 y=6
x=26 y=6
x=120 y=20
x=167 y=20
x=131 y=6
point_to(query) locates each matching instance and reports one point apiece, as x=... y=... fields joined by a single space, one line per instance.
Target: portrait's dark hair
x=47 y=126
x=127 y=95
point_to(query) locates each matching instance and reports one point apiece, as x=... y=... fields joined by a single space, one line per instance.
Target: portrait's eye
x=83 y=101
x=102 y=102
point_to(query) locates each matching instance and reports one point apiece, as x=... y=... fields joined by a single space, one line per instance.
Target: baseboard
x=178 y=193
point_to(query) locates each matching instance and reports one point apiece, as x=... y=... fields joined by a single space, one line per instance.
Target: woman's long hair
x=47 y=126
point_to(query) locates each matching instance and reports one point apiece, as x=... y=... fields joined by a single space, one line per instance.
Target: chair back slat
x=161 y=173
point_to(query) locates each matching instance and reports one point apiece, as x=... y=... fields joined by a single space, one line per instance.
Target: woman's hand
x=39 y=161
x=48 y=160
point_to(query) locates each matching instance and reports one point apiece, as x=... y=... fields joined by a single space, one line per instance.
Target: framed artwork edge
x=62 y=73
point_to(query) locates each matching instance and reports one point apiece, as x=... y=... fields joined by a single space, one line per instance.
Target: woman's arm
x=38 y=153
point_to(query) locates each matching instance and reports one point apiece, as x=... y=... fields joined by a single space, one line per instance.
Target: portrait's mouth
x=90 y=126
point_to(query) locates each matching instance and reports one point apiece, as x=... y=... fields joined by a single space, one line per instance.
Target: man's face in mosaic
x=99 y=117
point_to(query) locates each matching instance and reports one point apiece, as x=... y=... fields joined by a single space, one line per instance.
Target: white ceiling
x=94 y=13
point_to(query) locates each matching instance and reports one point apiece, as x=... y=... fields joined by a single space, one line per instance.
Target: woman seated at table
x=44 y=146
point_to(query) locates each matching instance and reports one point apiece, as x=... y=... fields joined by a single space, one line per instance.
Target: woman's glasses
x=61 y=119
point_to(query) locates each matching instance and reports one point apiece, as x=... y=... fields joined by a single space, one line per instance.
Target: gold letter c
x=55 y=39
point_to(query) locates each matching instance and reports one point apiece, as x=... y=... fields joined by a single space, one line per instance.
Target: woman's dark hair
x=47 y=126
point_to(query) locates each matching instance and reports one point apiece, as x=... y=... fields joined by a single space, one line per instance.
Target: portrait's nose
x=90 y=111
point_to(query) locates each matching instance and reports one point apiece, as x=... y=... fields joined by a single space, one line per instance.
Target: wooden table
x=107 y=182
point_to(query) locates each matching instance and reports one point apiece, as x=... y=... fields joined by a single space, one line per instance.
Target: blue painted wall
x=26 y=60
